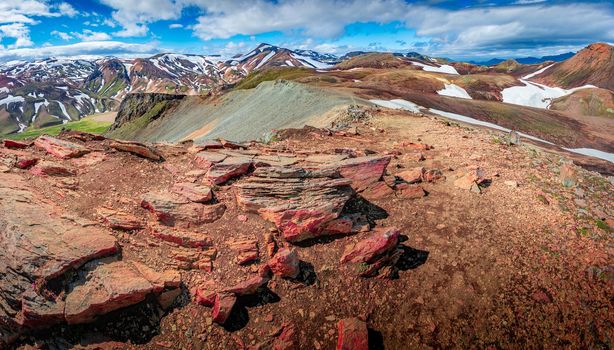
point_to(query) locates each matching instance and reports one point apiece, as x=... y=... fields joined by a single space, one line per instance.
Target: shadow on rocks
x=411 y=258
x=239 y=317
x=360 y=205
x=376 y=340
x=308 y=275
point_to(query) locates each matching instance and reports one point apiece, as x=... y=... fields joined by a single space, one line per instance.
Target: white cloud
x=19 y=32
x=89 y=35
x=135 y=15
x=66 y=9
x=82 y=49
x=175 y=26
x=61 y=35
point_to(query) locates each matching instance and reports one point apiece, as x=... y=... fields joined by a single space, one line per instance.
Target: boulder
x=119 y=220
x=206 y=159
x=410 y=191
x=353 y=335
x=60 y=148
x=136 y=148
x=369 y=249
x=473 y=178
x=222 y=308
x=568 y=175
x=246 y=250
x=26 y=163
x=204 y=296
x=174 y=210
x=194 y=192
x=299 y=202
x=249 y=286
x=411 y=176
x=363 y=171
x=230 y=168
x=285 y=263
x=432 y=175
x=46 y=168
x=378 y=190
x=15 y=144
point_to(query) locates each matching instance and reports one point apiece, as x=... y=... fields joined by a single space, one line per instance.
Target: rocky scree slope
x=376 y=235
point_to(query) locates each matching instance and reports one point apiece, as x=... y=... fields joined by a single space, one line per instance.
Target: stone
x=82 y=135
x=353 y=335
x=204 y=296
x=15 y=144
x=46 y=168
x=285 y=263
x=181 y=237
x=174 y=210
x=136 y=148
x=411 y=191
x=418 y=146
x=222 y=308
x=193 y=192
x=249 y=286
x=363 y=171
x=287 y=338
x=119 y=220
x=232 y=144
x=511 y=183
x=369 y=249
x=60 y=148
x=206 y=159
x=471 y=179
x=378 y=190
x=432 y=175
x=246 y=250
x=231 y=167
x=26 y=163
x=299 y=202
x=568 y=175
x=413 y=175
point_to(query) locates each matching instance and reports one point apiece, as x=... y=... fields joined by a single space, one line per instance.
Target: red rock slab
x=174 y=210
x=369 y=249
x=46 y=168
x=249 y=286
x=232 y=145
x=181 y=237
x=15 y=144
x=107 y=287
x=194 y=192
x=378 y=190
x=26 y=163
x=60 y=148
x=285 y=263
x=136 y=148
x=471 y=178
x=120 y=220
x=412 y=176
x=353 y=335
x=222 y=308
x=287 y=339
x=410 y=191
x=363 y=171
x=231 y=167
x=205 y=294
x=246 y=250
x=206 y=159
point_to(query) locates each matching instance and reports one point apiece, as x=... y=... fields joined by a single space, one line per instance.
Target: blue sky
x=455 y=29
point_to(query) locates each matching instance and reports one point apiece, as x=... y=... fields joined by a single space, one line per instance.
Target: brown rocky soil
x=477 y=245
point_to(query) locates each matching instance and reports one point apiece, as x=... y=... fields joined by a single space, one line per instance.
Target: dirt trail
x=526 y=263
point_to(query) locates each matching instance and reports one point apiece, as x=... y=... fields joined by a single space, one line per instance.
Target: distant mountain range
x=526 y=60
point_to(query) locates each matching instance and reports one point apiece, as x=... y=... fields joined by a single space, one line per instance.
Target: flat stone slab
x=60 y=148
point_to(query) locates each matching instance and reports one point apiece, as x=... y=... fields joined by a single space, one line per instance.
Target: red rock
x=303 y=201
x=411 y=191
x=339 y=226
x=60 y=148
x=287 y=339
x=193 y=192
x=249 y=286
x=230 y=168
x=206 y=159
x=15 y=144
x=472 y=178
x=232 y=144
x=181 y=237
x=173 y=210
x=224 y=303
x=363 y=171
x=89 y=160
x=46 y=168
x=353 y=335
x=26 y=163
x=82 y=136
x=378 y=190
x=246 y=250
x=368 y=249
x=120 y=220
x=411 y=176
x=136 y=148
x=242 y=218
x=568 y=175
x=432 y=175
x=205 y=294
x=285 y=263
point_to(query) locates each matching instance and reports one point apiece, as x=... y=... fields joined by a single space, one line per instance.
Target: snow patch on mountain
x=398 y=104
x=454 y=90
x=440 y=69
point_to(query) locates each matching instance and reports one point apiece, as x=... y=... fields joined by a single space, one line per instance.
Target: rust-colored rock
x=410 y=191
x=26 y=163
x=363 y=171
x=60 y=148
x=299 y=202
x=231 y=167
x=369 y=249
x=249 y=286
x=353 y=335
x=412 y=176
x=246 y=250
x=46 y=168
x=472 y=178
x=174 y=210
x=181 y=237
x=224 y=303
x=285 y=263
x=136 y=148
x=120 y=220
x=206 y=159
x=194 y=192
x=15 y=144
x=232 y=144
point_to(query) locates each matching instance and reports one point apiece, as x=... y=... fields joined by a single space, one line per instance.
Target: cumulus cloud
x=66 y=9
x=175 y=26
x=89 y=35
x=61 y=35
x=19 y=32
x=90 y=48
x=135 y=15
